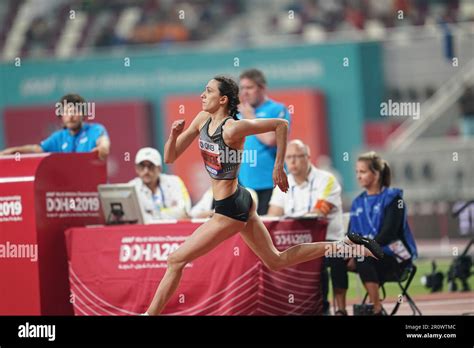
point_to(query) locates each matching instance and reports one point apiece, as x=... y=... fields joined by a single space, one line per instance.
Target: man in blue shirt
x=257 y=174
x=76 y=136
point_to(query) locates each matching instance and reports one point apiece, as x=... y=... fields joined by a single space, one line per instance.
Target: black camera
x=434 y=280
x=460 y=269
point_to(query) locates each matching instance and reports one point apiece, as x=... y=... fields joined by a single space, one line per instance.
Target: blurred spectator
x=167 y=22
x=422 y=10
x=155 y=33
x=254 y=103
x=355 y=16
x=451 y=11
x=163 y=196
x=333 y=12
x=381 y=10
x=76 y=136
x=466 y=103
x=38 y=34
x=402 y=5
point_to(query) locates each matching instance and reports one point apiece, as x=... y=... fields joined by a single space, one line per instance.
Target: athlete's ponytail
x=378 y=164
x=229 y=88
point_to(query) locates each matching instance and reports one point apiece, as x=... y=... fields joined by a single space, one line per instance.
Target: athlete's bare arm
x=240 y=129
x=179 y=140
x=248 y=112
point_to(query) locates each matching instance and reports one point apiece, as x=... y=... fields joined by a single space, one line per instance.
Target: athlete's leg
x=203 y=240
x=257 y=237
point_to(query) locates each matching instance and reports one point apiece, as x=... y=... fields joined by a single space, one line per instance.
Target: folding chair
x=403 y=281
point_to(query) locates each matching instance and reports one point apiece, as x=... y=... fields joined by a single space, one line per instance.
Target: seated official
x=76 y=135
x=204 y=208
x=380 y=213
x=313 y=190
x=162 y=196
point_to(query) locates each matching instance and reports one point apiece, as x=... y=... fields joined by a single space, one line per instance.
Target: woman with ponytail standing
x=380 y=213
x=221 y=134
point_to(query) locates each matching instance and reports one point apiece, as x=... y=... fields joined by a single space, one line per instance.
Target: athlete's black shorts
x=237 y=206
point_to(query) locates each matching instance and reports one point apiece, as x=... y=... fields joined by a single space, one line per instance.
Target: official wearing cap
x=163 y=196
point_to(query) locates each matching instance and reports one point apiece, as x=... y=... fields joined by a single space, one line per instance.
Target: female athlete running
x=221 y=133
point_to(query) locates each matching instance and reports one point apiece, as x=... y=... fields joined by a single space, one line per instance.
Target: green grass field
x=356 y=290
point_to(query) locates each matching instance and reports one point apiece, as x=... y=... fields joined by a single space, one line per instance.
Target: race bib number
x=210 y=155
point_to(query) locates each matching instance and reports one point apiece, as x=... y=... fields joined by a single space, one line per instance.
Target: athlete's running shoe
x=370 y=244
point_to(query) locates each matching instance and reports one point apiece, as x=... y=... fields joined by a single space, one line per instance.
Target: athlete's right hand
x=177 y=127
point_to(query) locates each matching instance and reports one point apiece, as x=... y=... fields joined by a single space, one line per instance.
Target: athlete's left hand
x=280 y=179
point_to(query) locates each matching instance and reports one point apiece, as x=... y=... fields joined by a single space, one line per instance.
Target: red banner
x=40 y=197
x=115 y=271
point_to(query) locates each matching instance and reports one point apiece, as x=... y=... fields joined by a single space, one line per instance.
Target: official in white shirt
x=162 y=196
x=313 y=190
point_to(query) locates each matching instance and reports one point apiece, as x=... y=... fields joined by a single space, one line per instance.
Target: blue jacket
x=367 y=214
